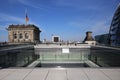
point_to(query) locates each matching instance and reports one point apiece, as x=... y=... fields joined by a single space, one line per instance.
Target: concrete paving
x=60 y=74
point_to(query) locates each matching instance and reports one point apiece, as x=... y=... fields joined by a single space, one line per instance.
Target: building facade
x=102 y=39
x=23 y=34
x=114 y=32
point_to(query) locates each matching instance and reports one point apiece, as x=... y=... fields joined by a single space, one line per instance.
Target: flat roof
x=19 y=26
x=60 y=74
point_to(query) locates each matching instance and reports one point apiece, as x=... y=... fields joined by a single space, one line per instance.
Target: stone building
x=23 y=34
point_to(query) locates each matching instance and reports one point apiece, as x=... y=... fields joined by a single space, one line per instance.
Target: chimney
x=88 y=36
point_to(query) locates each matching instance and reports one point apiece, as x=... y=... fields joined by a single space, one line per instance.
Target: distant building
x=115 y=28
x=89 y=39
x=102 y=39
x=55 y=38
x=23 y=34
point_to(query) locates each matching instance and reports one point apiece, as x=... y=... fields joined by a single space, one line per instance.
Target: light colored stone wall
x=33 y=35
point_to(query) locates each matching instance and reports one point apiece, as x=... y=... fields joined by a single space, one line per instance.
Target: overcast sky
x=69 y=19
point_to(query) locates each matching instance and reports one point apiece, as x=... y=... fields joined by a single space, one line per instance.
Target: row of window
x=115 y=41
x=20 y=36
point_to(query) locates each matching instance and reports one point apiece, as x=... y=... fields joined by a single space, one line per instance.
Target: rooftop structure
x=23 y=34
x=89 y=36
x=89 y=39
x=115 y=28
x=55 y=38
x=102 y=39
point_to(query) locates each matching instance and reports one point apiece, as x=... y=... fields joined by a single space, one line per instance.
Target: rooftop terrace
x=107 y=57
x=60 y=74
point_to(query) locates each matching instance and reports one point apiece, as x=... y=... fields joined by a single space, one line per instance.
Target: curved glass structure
x=115 y=28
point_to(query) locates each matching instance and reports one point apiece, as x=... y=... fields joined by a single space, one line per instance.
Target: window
x=15 y=36
x=26 y=36
x=20 y=36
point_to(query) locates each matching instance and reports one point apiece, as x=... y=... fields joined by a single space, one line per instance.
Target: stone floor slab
x=113 y=74
x=60 y=74
x=75 y=74
x=95 y=74
x=37 y=74
x=57 y=74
